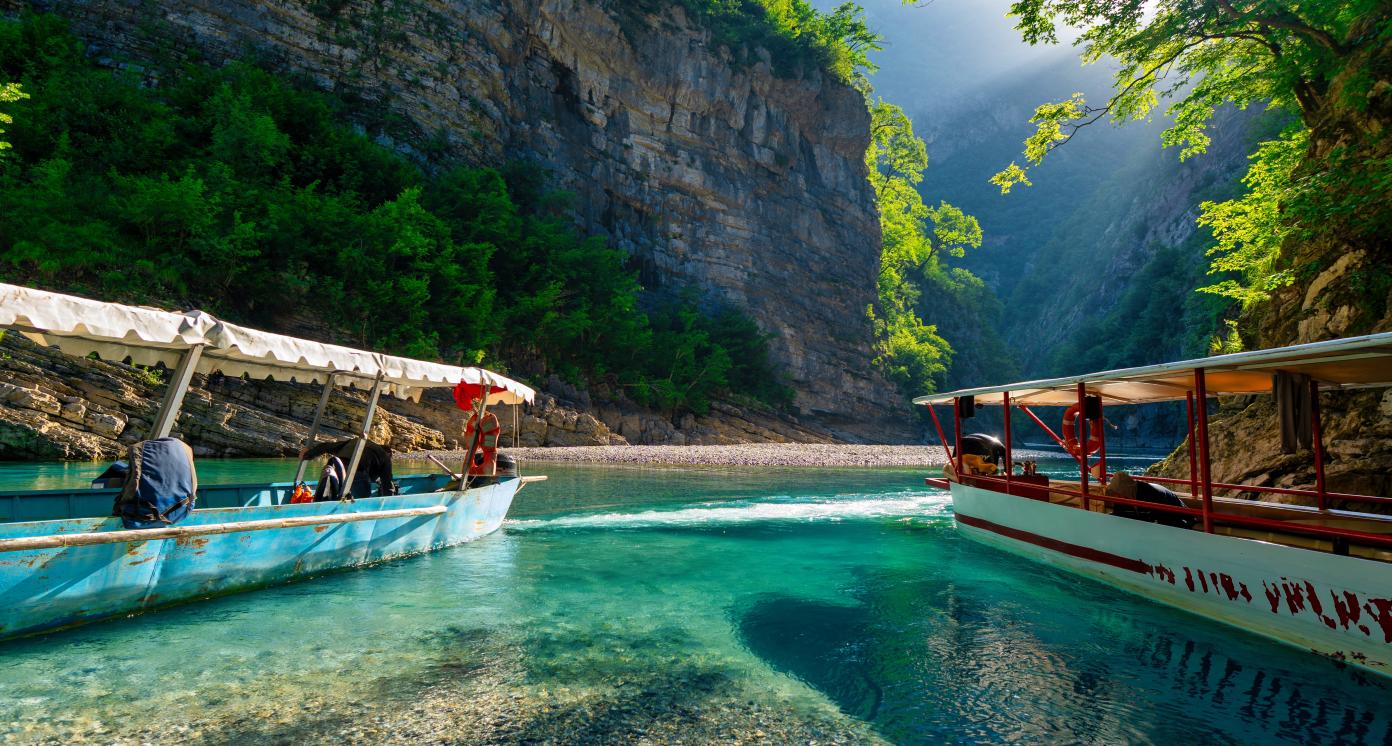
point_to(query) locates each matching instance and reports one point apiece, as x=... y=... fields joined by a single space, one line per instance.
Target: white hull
x=1333 y=605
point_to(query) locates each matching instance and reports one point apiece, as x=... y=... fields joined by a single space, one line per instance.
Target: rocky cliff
x=710 y=169
x=54 y=406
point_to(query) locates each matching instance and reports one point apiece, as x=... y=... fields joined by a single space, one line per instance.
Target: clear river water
x=656 y=604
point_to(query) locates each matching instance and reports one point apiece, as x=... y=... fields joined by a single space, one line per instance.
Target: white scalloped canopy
x=147 y=336
x=1351 y=363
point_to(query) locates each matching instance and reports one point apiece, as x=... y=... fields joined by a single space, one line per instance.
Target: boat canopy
x=1355 y=362
x=149 y=336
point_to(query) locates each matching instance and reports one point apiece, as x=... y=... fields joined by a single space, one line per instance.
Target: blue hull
x=50 y=588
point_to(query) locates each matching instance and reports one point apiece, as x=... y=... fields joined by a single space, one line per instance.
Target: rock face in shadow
x=711 y=169
x=1246 y=444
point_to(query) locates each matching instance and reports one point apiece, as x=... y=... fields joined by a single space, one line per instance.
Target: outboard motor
x=988 y=447
x=507 y=465
x=1122 y=485
x=331 y=480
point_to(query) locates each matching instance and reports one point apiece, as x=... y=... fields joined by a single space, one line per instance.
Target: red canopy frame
x=1200 y=481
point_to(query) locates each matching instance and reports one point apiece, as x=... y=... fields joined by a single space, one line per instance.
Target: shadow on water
x=948 y=656
x=826 y=645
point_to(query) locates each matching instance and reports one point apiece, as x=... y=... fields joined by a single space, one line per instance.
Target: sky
x=942 y=51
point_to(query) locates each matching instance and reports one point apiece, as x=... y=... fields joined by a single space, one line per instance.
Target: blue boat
x=65 y=561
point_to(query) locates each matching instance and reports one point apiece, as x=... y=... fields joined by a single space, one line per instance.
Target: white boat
x=64 y=560
x=1318 y=577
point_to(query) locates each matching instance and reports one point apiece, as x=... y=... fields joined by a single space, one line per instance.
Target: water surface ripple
x=631 y=604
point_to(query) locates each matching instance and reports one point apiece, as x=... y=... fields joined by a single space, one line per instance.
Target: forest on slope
x=247 y=191
x=253 y=195
x=1264 y=224
x=1096 y=264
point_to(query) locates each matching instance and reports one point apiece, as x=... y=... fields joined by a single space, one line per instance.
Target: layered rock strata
x=54 y=406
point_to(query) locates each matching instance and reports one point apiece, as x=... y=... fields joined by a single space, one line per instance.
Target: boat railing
x=1228 y=518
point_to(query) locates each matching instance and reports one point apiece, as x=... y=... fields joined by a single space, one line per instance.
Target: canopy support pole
x=479 y=411
x=1102 y=443
x=174 y=393
x=942 y=438
x=1317 y=444
x=362 y=436
x=314 y=426
x=1083 y=437
x=1193 y=456
x=1009 y=463
x=1205 y=467
x=957 y=434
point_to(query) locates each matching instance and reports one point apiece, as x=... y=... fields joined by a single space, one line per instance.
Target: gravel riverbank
x=752 y=454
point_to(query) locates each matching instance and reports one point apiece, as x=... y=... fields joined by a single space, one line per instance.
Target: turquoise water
x=627 y=604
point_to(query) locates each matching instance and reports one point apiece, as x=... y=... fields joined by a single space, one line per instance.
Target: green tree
x=1324 y=62
x=915 y=236
x=9 y=93
x=1200 y=54
x=796 y=35
x=242 y=192
x=1250 y=229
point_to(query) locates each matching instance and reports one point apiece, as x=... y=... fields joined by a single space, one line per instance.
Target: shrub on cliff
x=237 y=190
x=796 y=35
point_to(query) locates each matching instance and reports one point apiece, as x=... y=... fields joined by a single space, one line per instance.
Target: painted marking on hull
x=1073 y=550
x=1299 y=596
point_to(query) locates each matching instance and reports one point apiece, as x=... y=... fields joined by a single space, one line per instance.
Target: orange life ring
x=1070 y=433
x=486 y=457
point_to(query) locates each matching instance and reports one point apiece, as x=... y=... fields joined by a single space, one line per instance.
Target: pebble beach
x=749 y=454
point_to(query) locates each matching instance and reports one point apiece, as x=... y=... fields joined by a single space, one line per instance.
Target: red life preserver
x=1070 y=433
x=486 y=456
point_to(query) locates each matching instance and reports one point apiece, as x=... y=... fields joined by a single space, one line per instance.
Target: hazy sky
x=939 y=51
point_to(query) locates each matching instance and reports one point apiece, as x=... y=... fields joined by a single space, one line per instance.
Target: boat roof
x=147 y=336
x=1355 y=362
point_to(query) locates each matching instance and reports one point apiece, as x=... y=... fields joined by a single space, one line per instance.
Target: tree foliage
x=237 y=190
x=9 y=93
x=797 y=36
x=1250 y=229
x=915 y=236
x=1320 y=61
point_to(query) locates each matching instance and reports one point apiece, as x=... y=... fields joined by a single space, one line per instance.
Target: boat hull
x=51 y=588
x=1333 y=605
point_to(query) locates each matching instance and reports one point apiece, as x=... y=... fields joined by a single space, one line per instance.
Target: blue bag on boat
x=162 y=485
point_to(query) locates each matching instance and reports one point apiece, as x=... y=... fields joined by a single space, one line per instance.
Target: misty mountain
x=1108 y=209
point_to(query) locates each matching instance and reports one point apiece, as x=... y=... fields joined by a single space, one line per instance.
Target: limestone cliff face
x=712 y=171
